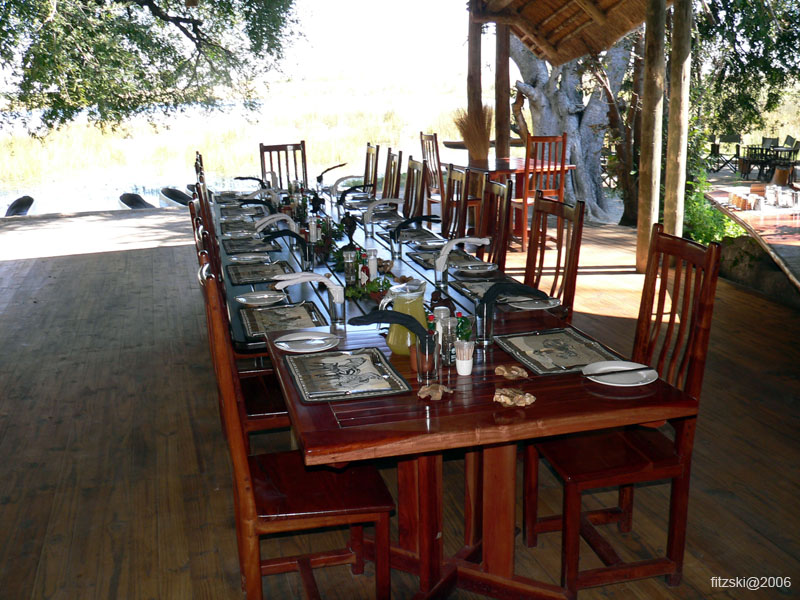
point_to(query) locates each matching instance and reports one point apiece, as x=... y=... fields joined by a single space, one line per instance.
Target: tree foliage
x=113 y=59
x=749 y=56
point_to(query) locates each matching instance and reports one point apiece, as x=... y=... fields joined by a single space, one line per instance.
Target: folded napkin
x=430 y=218
x=428 y=342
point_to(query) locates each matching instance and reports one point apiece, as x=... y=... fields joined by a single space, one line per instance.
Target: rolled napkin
x=509 y=288
x=262 y=224
x=440 y=264
x=287 y=279
x=413 y=220
x=377 y=203
x=407 y=321
x=286 y=233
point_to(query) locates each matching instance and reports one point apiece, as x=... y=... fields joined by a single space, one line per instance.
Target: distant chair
x=545 y=170
x=391 y=175
x=769 y=142
x=283 y=163
x=19 y=207
x=414 y=192
x=553 y=251
x=495 y=222
x=368 y=185
x=170 y=198
x=134 y=201
x=434 y=184
x=721 y=159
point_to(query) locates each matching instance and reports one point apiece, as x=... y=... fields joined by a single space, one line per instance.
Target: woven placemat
x=238 y=211
x=249 y=245
x=258 y=321
x=236 y=226
x=241 y=274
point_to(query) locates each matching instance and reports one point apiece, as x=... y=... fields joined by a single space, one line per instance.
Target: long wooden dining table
x=417 y=432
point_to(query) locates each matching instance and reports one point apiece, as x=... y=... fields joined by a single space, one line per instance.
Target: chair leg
x=676 y=538
x=570 y=539
x=626 y=505
x=530 y=494
x=383 y=574
x=251 y=566
x=357 y=546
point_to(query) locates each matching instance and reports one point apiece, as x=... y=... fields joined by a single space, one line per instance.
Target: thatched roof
x=560 y=30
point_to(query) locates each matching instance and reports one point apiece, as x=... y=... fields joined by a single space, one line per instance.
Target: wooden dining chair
x=368 y=186
x=414 y=194
x=545 y=170
x=672 y=335
x=494 y=222
x=391 y=175
x=454 y=202
x=434 y=183
x=276 y=493
x=554 y=249
x=286 y=161
x=262 y=407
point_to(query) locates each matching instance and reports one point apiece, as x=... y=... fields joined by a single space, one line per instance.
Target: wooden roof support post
x=652 y=110
x=474 y=91
x=678 y=135
x=502 y=96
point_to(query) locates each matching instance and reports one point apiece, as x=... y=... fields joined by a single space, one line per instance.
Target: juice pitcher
x=407 y=298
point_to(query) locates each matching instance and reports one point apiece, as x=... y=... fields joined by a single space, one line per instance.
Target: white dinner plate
x=235 y=219
x=307 y=341
x=594 y=372
x=239 y=235
x=253 y=258
x=535 y=303
x=261 y=298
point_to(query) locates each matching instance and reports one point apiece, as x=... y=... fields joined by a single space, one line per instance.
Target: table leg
x=429 y=472
x=408 y=505
x=499 y=485
x=472 y=498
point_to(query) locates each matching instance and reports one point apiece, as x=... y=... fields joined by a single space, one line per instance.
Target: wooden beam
x=497 y=5
x=573 y=33
x=474 y=87
x=529 y=28
x=652 y=109
x=591 y=9
x=678 y=135
x=554 y=14
x=502 y=95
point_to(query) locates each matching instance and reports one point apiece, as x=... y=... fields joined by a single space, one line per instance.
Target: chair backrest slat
x=371 y=167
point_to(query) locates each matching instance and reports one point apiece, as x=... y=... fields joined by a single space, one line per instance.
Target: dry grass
x=476 y=131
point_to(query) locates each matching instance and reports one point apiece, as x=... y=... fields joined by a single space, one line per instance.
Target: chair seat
x=285 y=488
x=598 y=457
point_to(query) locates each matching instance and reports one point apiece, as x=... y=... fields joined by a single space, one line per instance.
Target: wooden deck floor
x=115 y=481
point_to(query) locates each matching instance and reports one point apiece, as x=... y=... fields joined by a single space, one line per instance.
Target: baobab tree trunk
x=556 y=96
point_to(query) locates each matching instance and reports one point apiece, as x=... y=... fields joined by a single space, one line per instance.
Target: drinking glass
x=484 y=322
x=350 y=268
x=427 y=363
